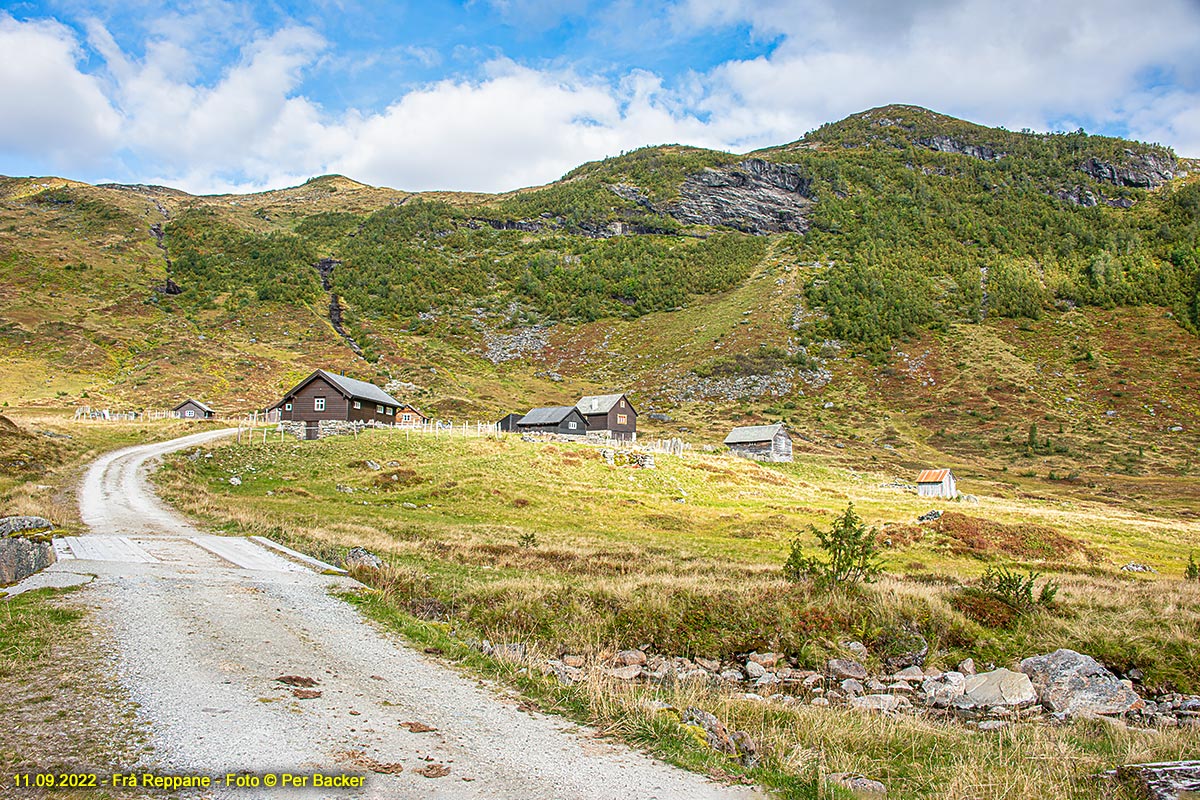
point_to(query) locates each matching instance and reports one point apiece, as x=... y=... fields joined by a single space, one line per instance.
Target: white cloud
x=53 y=113
x=253 y=126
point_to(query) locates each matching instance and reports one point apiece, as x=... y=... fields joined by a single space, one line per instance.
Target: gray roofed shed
x=550 y=415
x=761 y=442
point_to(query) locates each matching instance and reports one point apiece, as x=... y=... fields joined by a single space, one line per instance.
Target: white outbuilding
x=937 y=483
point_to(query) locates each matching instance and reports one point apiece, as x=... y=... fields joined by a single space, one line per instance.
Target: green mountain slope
x=900 y=286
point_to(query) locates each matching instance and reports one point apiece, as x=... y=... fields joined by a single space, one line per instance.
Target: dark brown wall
x=336 y=406
x=608 y=422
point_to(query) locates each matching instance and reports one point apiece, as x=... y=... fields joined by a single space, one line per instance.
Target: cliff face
x=1137 y=170
x=754 y=196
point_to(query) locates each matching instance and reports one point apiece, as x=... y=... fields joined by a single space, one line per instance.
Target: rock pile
x=1063 y=684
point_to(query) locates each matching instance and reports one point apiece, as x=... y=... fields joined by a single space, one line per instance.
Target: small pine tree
x=851 y=549
x=1192 y=573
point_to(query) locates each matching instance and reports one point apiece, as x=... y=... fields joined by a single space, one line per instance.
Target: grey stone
x=857 y=649
x=768 y=660
x=989 y=725
x=361 y=558
x=883 y=703
x=13 y=525
x=818 y=701
x=967 y=666
x=1000 y=687
x=22 y=550
x=911 y=673
x=852 y=687
x=754 y=670
x=235 y=481
x=629 y=673
x=1071 y=683
x=944 y=689
x=858 y=785
x=714 y=730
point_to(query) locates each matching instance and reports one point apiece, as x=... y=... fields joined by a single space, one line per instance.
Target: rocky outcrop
x=1169 y=780
x=1074 y=684
x=25 y=547
x=754 y=196
x=1138 y=170
x=1000 y=688
x=947 y=144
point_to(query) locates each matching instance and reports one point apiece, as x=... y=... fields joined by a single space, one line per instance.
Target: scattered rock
x=297 y=680
x=883 y=703
x=1071 y=684
x=629 y=658
x=930 y=516
x=768 y=660
x=859 y=785
x=373 y=465
x=235 y=481
x=944 y=689
x=989 y=725
x=417 y=727
x=306 y=694
x=1133 y=566
x=851 y=687
x=841 y=668
x=361 y=558
x=1163 y=781
x=629 y=673
x=715 y=733
x=967 y=666
x=433 y=771
x=857 y=649
x=754 y=670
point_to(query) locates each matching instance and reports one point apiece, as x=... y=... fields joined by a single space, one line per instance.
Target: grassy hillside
x=545 y=545
x=1019 y=306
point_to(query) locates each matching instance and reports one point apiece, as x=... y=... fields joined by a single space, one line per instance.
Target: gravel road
x=200 y=642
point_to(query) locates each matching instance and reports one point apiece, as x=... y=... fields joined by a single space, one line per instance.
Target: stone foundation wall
x=26 y=547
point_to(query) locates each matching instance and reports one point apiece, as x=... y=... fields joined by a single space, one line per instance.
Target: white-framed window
x=622 y=419
x=378 y=409
x=189 y=413
x=287 y=407
x=571 y=426
x=390 y=411
x=319 y=404
x=406 y=418
x=358 y=403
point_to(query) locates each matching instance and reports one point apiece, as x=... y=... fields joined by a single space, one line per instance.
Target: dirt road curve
x=204 y=625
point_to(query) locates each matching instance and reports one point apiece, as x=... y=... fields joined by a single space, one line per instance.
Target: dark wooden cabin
x=508 y=424
x=761 y=442
x=324 y=395
x=192 y=409
x=565 y=420
x=408 y=416
x=609 y=413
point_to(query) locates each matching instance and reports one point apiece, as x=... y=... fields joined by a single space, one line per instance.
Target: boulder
x=858 y=785
x=768 y=660
x=1000 y=687
x=715 y=733
x=852 y=687
x=842 y=668
x=755 y=670
x=361 y=558
x=1074 y=684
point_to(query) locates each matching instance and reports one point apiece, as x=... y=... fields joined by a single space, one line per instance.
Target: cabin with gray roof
x=192 y=409
x=609 y=415
x=761 y=442
x=326 y=396
x=563 y=420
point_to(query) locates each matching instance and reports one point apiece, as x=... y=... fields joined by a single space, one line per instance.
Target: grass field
x=543 y=544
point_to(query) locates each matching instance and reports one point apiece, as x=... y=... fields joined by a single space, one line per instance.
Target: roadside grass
x=64 y=714
x=543 y=544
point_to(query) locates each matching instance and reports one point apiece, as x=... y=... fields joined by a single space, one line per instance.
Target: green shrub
x=1017 y=590
x=851 y=549
x=1192 y=573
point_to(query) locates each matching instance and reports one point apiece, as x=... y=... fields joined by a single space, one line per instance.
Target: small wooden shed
x=508 y=423
x=936 y=483
x=761 y=442
x=192 y=409
x=565 y=420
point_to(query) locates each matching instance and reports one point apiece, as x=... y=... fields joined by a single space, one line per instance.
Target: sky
x=490 y=95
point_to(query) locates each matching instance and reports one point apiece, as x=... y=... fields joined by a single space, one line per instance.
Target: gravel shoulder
x=201 y=643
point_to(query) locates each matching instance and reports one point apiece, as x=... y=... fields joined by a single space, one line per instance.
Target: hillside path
x=202 y=626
